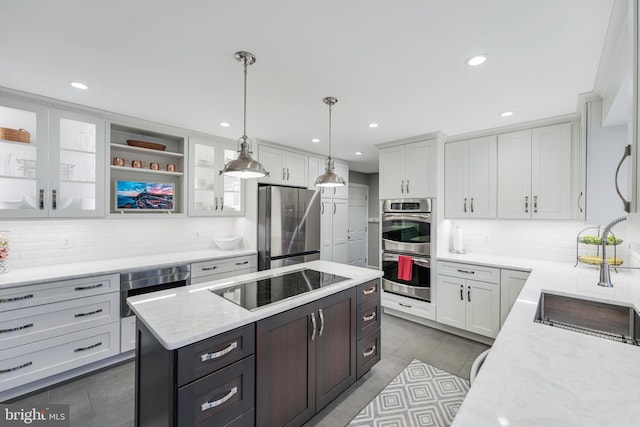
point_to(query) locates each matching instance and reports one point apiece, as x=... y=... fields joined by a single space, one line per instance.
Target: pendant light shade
x=244 y=166
x=329 y=178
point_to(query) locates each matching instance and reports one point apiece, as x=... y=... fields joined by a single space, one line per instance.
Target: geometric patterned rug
x=421 y=395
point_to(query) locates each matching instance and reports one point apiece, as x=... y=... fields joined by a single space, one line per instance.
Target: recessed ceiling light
x=315 y=140
x=358 y=153
x=79 y=85
x=477 y=60
x=506 y=114
x=225 y=124
x=373 y=125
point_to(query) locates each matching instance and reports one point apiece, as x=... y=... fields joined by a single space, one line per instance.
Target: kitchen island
x=210 y=361
x=538 y=375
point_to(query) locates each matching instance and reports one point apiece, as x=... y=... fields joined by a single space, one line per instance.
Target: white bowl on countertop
x=227 y=243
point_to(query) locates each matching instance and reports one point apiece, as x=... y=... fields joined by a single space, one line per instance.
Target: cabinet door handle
x=54 y=199
x=369 y=317
x=535 y=204
x=407 y=186
x=334 y=191
x=89 y=313
x=283 y=175
x=322 y=209
x=216 y=199
x=402 y=186
x=369 y=291
x=461 y=291
x=209 y=405
x=466 y=271
x=314 y=325
x=469 y=294
x=580 y=197
x=89 y=347
x=368 y=352
x=17 y=328
x=526 y=204
x=16 y=298
x=465 y=205
x=404 y=305
x=472 y=205
x=84 y=288
x=321 y=322
x=334 y=208
x=287 y=174
x=24 y=365
x=213 y=267
x=221 y=203
x=41 y=199
x=216 y=354
x=242 y=263
x=625 y=202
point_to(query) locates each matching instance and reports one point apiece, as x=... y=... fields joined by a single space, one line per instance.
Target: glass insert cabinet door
x=211 y=193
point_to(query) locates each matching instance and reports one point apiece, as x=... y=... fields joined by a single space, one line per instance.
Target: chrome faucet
x=605 y=274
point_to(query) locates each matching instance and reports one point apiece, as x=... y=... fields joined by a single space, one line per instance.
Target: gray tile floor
x=106 y=398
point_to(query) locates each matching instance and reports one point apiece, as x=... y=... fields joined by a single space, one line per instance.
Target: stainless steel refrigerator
x=288 y=226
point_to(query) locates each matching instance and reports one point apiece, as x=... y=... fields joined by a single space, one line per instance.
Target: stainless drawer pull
x=4 y=371
x=17 y=328
x=78 y=350
x=16 y=298
x=404 y=305
x=88 y=313
x=368 y=352
x=466 y=271
x=209 y=405
x=242 y=263
x=84 y=288
x=369 y=291
x=217 y=354
x=321 y=322
x=369 y=317
x=209 y=268
x=314 y=325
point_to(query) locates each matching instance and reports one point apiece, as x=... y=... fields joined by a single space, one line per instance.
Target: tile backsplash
x=549 y=240
x=49 y=242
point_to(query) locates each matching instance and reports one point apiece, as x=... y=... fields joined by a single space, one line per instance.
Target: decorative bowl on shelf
x=227 y=243
x=597 y=260
x=146 y=144
x=597 y=240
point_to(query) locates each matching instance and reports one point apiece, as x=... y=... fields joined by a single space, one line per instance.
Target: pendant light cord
x=330 y=105
x=244 y=125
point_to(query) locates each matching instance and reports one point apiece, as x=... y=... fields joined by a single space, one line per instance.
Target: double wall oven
x=406 y=247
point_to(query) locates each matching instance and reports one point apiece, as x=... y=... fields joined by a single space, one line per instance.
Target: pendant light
x=329 y=178
x=244 y=166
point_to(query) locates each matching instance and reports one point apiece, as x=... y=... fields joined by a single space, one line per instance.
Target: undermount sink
x=611 y=321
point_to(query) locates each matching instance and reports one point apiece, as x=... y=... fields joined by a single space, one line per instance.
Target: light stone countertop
x=182 y=316
x=537 y=375
x=28 y=276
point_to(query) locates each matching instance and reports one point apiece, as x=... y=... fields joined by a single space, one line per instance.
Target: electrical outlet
x=66 y=242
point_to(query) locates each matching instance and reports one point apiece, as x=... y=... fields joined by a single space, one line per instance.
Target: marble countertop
x=28 y=276
x=182 y=316
x=537 y=375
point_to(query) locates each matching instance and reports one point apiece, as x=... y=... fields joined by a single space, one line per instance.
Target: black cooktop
x=258 y=293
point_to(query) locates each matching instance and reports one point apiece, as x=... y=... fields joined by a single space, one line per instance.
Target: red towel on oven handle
x=405 y=267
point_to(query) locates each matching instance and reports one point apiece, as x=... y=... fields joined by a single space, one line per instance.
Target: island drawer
x=470 y=271
x=368 y=291
x=206 y=356
x=220 y=397
x=368 y=318
x=368 y=353
x=45 y=293
x=218 y=266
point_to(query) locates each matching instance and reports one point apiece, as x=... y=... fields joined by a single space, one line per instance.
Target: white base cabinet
x=511 y=283
x=50 y=328
x=468 y=297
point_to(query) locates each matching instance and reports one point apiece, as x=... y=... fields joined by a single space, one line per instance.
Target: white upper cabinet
x=210 y=193
x=284 y=167
x=535 y=172
x=55 y=171
x=409 y=170
x=470 y=178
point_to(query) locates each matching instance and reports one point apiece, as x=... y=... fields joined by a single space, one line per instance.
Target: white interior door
x=357 y=234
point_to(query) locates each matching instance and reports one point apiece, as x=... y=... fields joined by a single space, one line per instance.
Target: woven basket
x=17 y=135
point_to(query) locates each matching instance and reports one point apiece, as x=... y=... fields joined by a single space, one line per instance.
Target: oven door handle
x=418 y=261
x=404 y=217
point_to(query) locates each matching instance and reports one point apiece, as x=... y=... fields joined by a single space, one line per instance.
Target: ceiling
x=400 y=64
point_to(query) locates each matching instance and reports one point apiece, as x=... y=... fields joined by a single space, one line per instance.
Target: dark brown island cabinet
x=279 y=371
